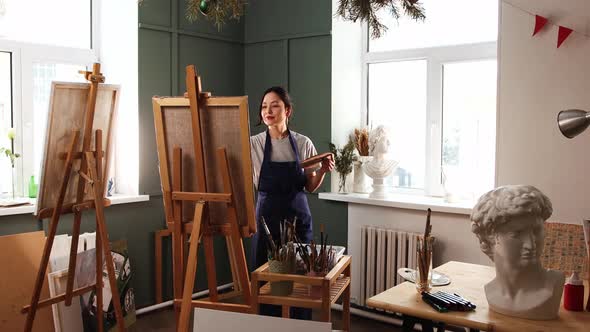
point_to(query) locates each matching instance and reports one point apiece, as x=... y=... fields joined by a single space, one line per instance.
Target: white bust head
x=509 y=224
x=379 y=142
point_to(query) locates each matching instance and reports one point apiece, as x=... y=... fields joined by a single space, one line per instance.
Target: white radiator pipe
x=169 y=303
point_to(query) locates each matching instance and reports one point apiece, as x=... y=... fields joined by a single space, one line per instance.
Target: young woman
x=278 y=176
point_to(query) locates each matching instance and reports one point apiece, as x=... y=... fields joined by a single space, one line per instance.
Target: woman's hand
x=327 y=165
x=314 y=179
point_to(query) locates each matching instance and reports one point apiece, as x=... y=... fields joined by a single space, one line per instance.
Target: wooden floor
x=163 y=320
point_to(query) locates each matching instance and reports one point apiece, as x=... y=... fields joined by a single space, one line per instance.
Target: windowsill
x=401 y=201
x=116 y=199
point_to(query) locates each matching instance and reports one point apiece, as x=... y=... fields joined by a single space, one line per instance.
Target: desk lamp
x=572 y=123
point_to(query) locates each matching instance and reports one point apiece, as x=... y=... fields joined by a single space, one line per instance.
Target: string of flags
x=562 y=32
x=540 y=22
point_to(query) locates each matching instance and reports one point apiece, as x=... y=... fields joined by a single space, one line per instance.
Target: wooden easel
x=200 y=227
x=90 y=173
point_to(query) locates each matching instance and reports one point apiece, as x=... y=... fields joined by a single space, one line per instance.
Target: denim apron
x=280 y=197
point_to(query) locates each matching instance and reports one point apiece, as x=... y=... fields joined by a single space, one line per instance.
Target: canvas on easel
x=66 y=113
x=76 y=159
x=206 y=175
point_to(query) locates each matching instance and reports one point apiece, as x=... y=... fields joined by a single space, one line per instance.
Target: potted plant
x=343 y=159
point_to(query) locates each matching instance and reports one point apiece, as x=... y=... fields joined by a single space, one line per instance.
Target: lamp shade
x=573 y=122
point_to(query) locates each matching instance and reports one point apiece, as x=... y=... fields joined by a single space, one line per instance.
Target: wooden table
x=468 y=281
x=334 y=285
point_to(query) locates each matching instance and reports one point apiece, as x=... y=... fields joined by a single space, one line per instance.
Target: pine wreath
x=366 y=10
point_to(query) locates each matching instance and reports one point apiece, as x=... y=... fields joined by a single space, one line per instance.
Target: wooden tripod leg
x=51 y=234
x=210 y=265
x=232 y=264
x=86 y=140
x=99 y=285
x=158 y=262
x=177 y=233
x=191 y=269
x=73 y=255
x=236 y=237
x=104 y=238
x=98 y=245
x=240 y=257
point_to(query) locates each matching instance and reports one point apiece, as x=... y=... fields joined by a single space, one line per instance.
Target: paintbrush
x=273 y=247
x=428 y=228
x=321 y=236
x=424 y=250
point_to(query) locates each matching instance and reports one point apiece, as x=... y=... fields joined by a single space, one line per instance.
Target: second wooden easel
x=90 y=172
x=200 y=226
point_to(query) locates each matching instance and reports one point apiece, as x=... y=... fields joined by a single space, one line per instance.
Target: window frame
x=436 y=58
x=24 y=55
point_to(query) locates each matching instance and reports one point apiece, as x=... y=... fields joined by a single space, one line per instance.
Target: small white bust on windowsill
x=509 y=224
x=380 y=166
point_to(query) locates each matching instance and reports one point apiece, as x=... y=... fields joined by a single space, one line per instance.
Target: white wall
x=537 y=80
x=346 y=82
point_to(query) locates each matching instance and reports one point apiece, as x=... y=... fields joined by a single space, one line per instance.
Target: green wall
x=289 y=43
x=167 y=44
x=278 y=42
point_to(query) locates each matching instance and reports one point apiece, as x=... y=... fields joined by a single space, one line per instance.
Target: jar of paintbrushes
x=281 y=257
x=424 y=247
x=318 y=259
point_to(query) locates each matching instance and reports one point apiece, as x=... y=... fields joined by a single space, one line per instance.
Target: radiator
x=383 y=251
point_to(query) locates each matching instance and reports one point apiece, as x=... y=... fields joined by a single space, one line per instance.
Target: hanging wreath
x=217 y=11
x=366 y=10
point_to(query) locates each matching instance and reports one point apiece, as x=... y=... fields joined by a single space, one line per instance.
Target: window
x=433 y=84
x=56 y=22
x=5 y=115
x=30 y=58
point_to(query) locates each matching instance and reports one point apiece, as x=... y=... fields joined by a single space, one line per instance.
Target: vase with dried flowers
x=9 y=152
x=361 y=183
x=343 y=159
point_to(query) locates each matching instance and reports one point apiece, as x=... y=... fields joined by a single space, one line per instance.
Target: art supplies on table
x=424 y=245
x=443 y=302
x=573 y=293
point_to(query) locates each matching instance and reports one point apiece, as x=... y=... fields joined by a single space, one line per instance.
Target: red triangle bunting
x=540 y=22
x=562 y=35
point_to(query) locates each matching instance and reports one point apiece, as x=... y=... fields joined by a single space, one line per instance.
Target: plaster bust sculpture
x=380 y=166
x=509 y=224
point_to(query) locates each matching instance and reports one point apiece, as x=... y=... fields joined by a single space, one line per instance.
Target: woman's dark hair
x=283 y=94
